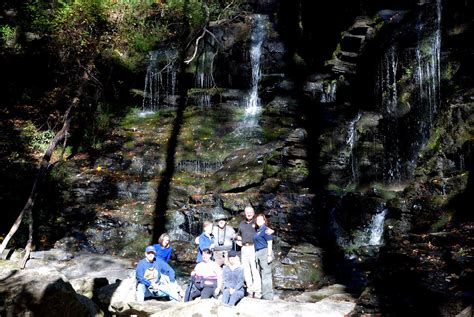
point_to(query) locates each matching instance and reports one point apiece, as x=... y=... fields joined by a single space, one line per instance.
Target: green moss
x=435 y=139
x=339 y=190
x=449 y=70
x=442 y=221
x=298 y=60
x=134 y=247
x=60 y=174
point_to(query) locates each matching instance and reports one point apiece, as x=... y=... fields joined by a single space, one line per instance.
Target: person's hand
x=231 y=290
x=216 y=292
x=269 y=258
x=196 y=241
x=155 y=286
x=269 y=231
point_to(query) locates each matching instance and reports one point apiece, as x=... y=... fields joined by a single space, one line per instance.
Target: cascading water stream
x=161 y=64
x=252 y=107
x=204 y=74
x=351 y=142
x=248 y=130
x=408 y=90
x=376 y=226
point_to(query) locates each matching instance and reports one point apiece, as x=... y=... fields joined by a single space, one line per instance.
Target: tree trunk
x=60 y=135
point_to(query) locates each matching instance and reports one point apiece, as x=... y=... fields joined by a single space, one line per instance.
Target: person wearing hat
x=233 y=280
x=155 y=278
x=223 y=240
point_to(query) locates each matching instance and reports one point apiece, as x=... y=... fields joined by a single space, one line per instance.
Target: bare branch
x=196 y=46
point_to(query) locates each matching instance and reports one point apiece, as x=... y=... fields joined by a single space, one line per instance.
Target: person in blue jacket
x=155 y=278
x=205 y=240
x=163 y=247
x=263 y=243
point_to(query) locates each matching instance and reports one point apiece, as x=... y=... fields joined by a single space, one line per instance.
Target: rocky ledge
x=58 y=284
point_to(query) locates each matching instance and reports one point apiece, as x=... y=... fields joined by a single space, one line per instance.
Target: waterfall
x=248 y=130
x=204 y=79
x=386 y=85
x=428 y=56
x=408 y=92
x=364 y=236
x=351 y=141
x=161 y=64
x=376 y=226
x=329 y=91
x=252 y=107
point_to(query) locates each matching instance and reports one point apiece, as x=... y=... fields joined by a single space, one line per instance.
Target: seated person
x=206 y=278
x=233 y=280
x=163 y=247
x=155 y=278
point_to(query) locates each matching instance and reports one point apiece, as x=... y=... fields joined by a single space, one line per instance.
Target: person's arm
x=165 y=269
x=269 y=231
x=238 y=236
x=218 y=272
x=230 y=235
x=204 y=242
x=168 y=255
x=225 y=277
x=241 y=278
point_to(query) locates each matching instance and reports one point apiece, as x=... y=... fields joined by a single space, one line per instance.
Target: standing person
x=233 y=280
x=245 y=240
x=155 y=278
x=263 y=243
x=163 y=247
x=223 y=240
x=205 y=240
x=207 y=278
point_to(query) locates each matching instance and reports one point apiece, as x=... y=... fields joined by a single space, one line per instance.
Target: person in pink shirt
x=206 y=278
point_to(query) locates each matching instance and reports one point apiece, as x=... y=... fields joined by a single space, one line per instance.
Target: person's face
x=165 y=242
x=260 y=221
x=206 y=257
x=249 y=213
x=221 y=223
x=208 y=229
x=233 y=260
x=150 y=256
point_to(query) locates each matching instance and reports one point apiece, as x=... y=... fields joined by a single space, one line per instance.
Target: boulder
x=301 y=268
x=42 y=292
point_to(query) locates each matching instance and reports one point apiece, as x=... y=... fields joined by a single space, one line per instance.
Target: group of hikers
x=219 y=268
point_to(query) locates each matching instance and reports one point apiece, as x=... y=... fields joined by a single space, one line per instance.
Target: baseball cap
x=150 y=248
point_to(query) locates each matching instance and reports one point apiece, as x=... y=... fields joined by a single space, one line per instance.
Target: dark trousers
x=195 y=290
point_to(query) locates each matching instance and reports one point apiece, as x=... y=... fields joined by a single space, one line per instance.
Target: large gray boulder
x=42 y=292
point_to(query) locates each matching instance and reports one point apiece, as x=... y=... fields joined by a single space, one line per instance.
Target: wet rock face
x=300 y=269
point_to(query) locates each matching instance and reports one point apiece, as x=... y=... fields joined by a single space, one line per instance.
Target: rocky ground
x=57 y=283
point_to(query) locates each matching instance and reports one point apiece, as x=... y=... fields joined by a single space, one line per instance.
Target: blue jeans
x=166 y=290
x=233 y=298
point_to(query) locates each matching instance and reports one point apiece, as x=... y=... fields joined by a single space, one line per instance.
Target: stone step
x=349 y=57
x=342 y=67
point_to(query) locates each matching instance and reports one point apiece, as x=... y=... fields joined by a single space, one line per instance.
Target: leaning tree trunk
x=60 y=135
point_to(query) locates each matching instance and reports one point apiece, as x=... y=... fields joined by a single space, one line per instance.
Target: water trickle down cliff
x=408 y=94
x=160 y=79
